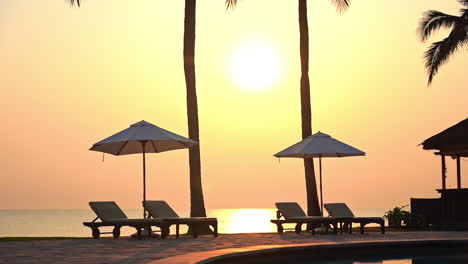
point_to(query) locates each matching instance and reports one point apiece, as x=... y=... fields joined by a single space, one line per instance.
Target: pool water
x=404 y=255
x=448 y=259
x=407 y=252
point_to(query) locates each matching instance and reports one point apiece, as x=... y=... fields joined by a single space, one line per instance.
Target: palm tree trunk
x=197 y=205
x=306 y=112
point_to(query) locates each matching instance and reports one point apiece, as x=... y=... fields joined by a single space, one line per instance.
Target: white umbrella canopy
x=319 y=145
x=132 y=140
x=142 y=137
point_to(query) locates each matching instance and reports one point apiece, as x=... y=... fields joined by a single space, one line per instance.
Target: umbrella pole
x=321 y=191
x=144 y=176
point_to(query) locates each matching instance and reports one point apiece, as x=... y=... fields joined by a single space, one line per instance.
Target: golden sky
x=71 y=77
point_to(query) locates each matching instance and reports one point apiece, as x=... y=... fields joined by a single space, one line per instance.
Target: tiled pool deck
x=184 y=250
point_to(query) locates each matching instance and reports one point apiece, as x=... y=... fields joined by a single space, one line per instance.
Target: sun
x=256 y=65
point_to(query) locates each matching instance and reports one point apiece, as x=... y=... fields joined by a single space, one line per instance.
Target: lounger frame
x=299 y=221
x=192 y=223
x=162 y=210
x=345 y=217
x=110 y=214
x=346 y=223
x=118 y=224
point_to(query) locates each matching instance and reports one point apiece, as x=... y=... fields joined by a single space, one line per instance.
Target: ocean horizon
x=68 y=223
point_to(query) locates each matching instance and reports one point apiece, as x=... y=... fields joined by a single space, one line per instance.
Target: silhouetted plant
x=397 y=216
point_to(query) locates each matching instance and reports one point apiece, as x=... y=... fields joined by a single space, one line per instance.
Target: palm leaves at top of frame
x=439 y=52
x=72 y=2
x=341 y=5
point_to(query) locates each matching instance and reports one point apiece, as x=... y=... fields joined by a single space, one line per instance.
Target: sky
x=72 y=76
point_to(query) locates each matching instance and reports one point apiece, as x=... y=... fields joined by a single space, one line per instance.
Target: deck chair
x=162 y=210
x=346 y=218
x=110 y=214
x=293 y=214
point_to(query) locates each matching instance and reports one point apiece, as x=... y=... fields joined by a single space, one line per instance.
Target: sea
x=68 y=223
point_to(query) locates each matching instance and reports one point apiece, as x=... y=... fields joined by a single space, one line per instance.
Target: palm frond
x=342 y=5
x=230 y=4
x=72 y=2
x=433 y=20
x=464 y=13
x=463 y=2
x=439 y=52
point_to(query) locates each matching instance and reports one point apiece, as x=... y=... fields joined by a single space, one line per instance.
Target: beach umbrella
x=319 y=145
x=142 y=137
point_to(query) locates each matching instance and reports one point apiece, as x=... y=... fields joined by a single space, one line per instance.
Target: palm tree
x=313 y=207
x=197 y=205
x=439 y=52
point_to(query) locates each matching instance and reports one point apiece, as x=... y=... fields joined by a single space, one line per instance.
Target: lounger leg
x=138 y=230
x=195 y=230
x=341 y=227
x=335 y=228
x=165 y=230
x=116 y=232
x=150 y=231
x=177 y=230
x=362 y=228
x=350 y=227
x=382 y=227
x=279 y=228
x=298 y=228
x=215 y=229
x=96 y=233
x=346 y=227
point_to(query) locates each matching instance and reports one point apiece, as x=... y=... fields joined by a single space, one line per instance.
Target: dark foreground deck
x=126 y=250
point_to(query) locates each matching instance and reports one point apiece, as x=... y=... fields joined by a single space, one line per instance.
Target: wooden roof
x=451 y=141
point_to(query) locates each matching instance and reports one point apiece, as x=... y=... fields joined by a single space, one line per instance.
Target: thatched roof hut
x=451 y=142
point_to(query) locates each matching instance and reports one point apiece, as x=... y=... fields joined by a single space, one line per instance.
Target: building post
x=458 y=172
x=444 y=171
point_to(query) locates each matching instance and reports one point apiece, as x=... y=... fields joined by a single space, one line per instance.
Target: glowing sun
x=255 y=65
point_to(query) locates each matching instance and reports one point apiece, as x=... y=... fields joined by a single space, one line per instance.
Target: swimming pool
x=389 y=252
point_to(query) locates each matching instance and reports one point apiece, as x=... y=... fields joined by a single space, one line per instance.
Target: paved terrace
x=126 y=250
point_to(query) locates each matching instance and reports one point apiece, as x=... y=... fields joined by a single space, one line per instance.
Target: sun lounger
x=160 y=209
x=110 y=214
x=346 y=218
x=293 y=214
